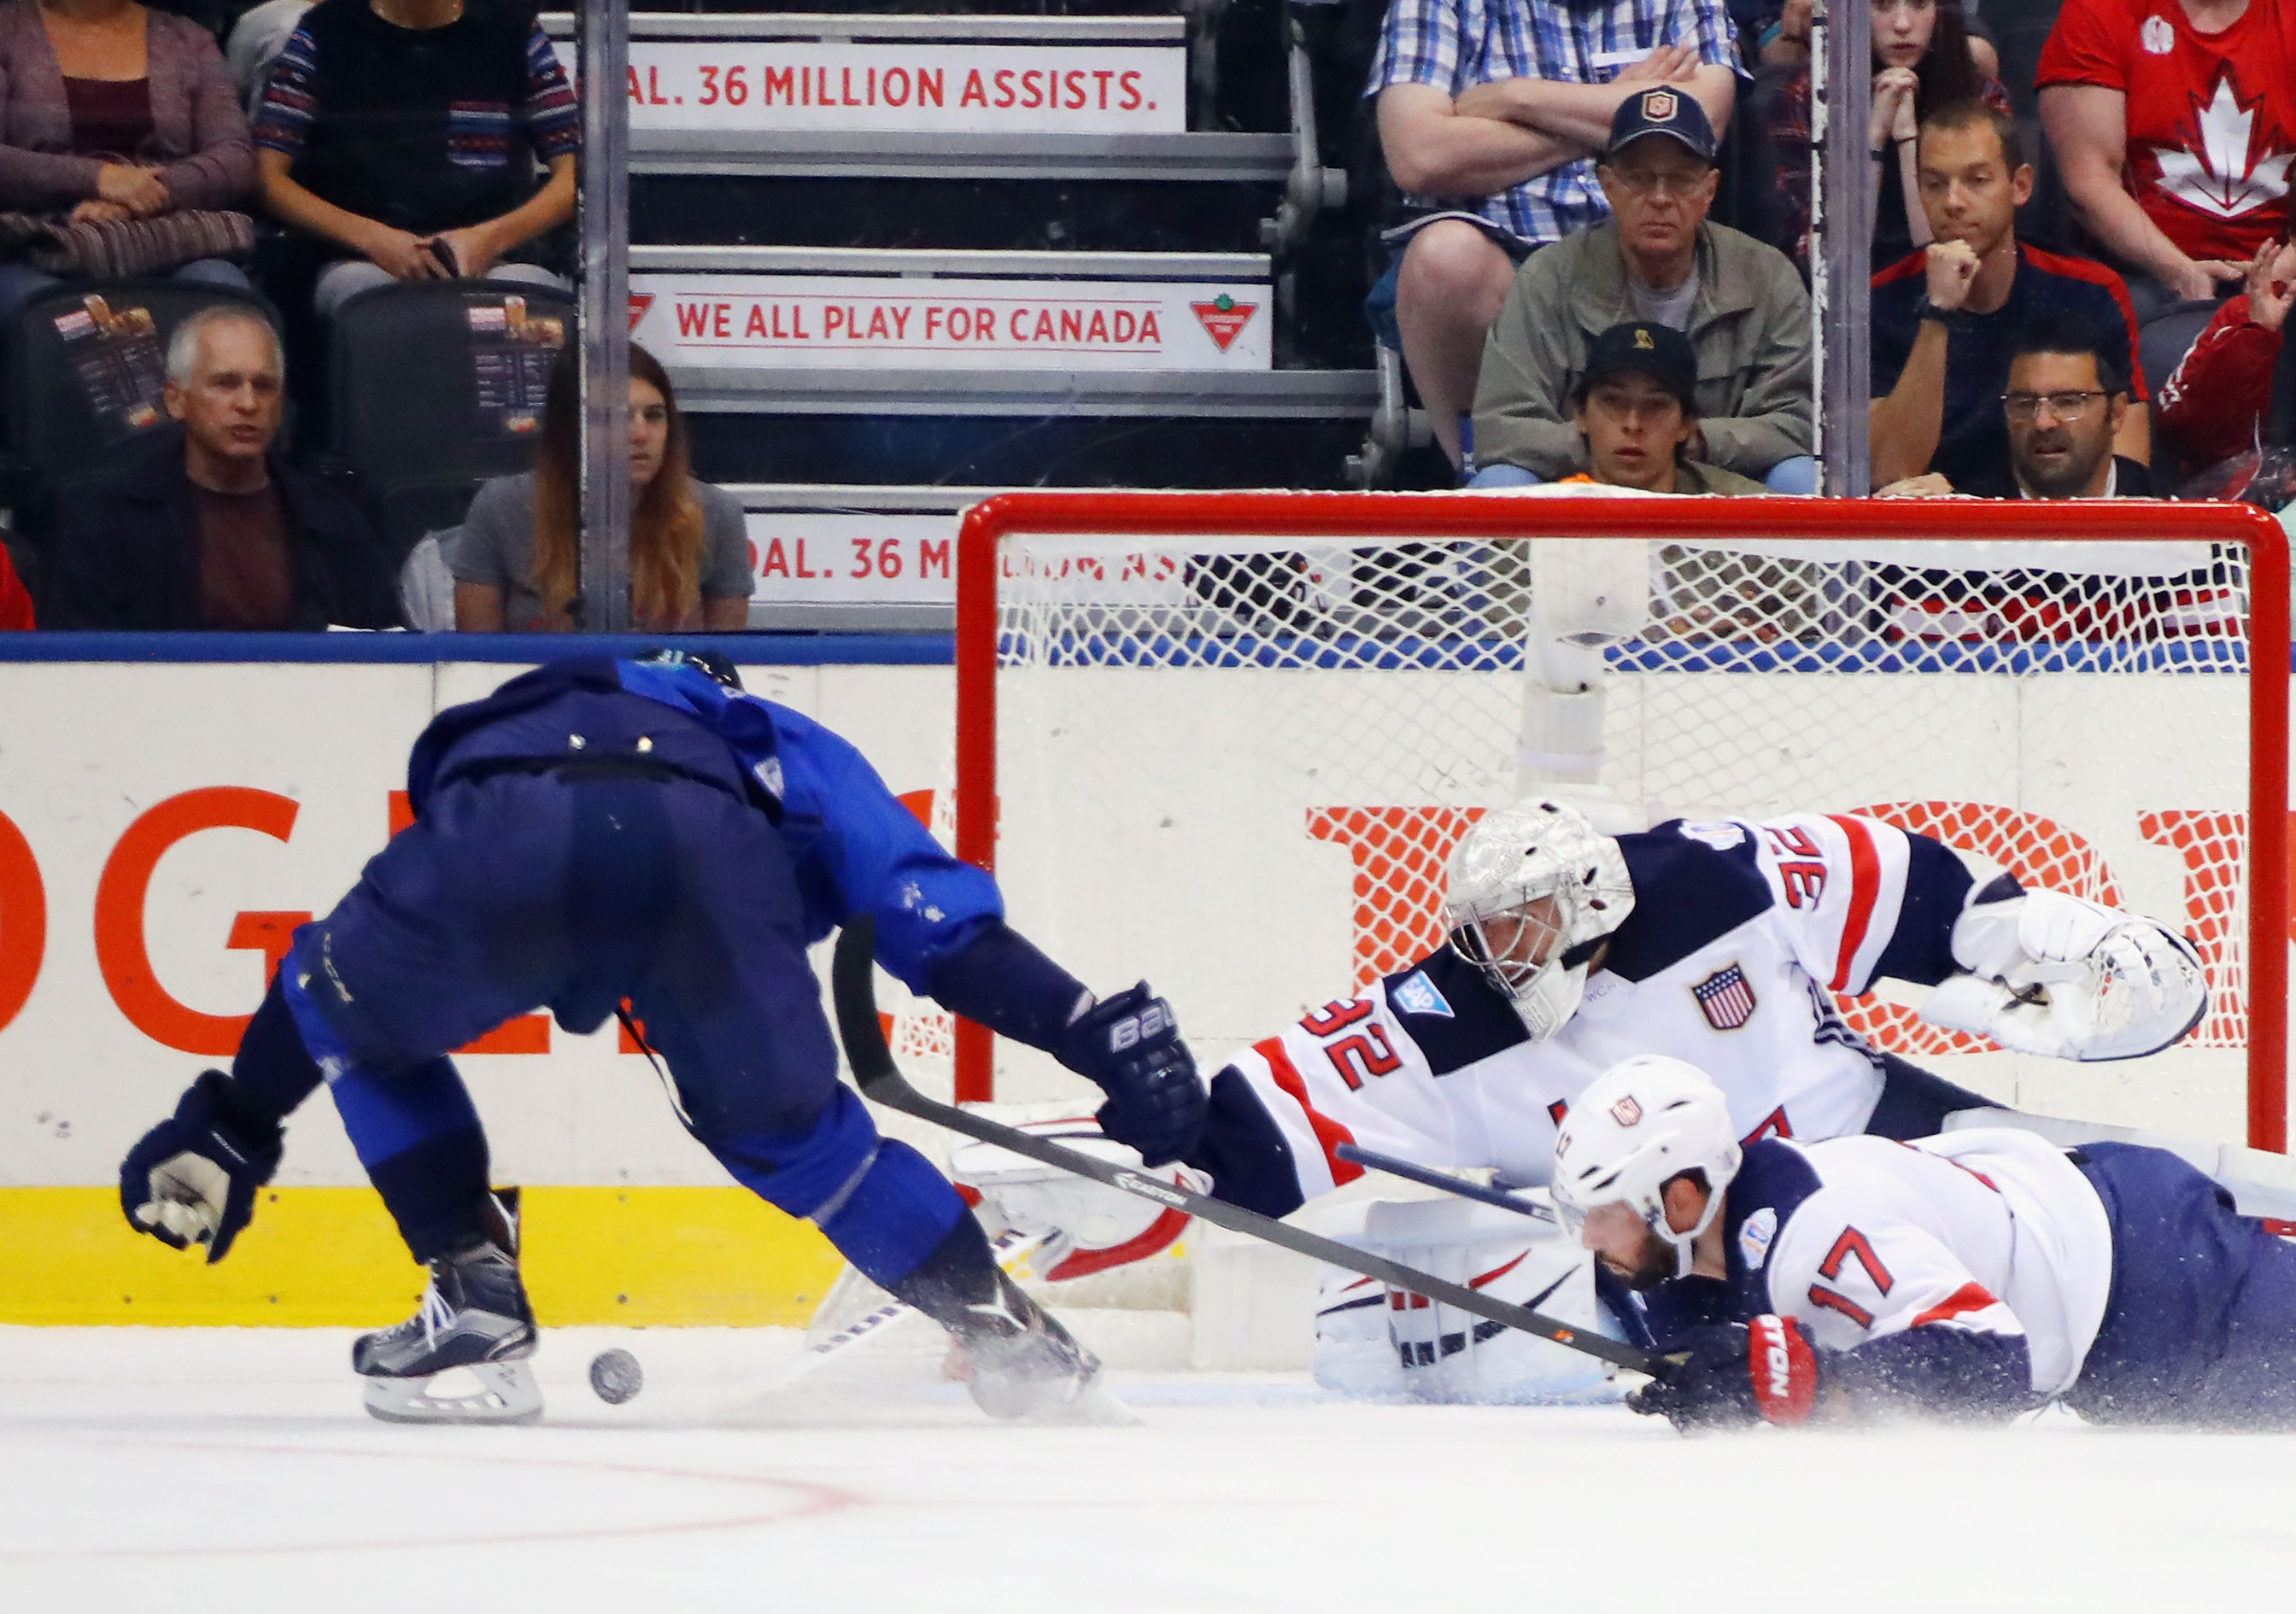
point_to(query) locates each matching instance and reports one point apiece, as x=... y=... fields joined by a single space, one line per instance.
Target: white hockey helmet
x=1640 y=1123
x=1519 y=856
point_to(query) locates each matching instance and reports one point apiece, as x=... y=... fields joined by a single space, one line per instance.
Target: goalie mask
x=1636 y=1128
x=1534 y=888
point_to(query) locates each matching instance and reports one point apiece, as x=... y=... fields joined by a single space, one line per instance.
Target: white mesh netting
x=1239 y=767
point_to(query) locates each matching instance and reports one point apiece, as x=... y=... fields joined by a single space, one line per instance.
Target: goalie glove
x=1730 y=1375
x=2054 y=975
x=191 y=1179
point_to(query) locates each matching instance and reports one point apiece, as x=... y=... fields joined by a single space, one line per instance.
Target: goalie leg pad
x=1438 y=1354
x=1088 y=1227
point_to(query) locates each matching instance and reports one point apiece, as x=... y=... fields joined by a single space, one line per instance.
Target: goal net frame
x=1307 y=518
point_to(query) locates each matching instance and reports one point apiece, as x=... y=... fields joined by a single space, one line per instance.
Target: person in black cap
x=1636 y=407
x=1737 y=302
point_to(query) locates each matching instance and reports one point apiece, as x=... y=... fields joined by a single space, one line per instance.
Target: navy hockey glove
x=1726 y=1375
x=1130 y=1045
x=191 y=1179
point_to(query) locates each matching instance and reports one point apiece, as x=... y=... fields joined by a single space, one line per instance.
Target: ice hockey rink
x=233 y=1469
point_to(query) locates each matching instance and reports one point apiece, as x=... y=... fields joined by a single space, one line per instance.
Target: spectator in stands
x=111 y=111
x=1944 y=318
x=2174 y=124
x=2218 y=402
x=1490 y=112
x=403 y=136
x=16 y=613
x=515 y=561
x=1738 y=303
x=208 y=527
x=1636 y=407
x=1924 y=59
x=1782 y=36
x=2067 y=395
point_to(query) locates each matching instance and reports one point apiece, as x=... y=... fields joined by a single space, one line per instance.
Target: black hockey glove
x=1728 y=1375
x=191 y=1179
x=1130 y=1045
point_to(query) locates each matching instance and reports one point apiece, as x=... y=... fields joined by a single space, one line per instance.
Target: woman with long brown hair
x=514 y=561
x=1925 y=57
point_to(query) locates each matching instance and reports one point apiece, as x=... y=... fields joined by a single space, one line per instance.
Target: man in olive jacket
x=1739 y=302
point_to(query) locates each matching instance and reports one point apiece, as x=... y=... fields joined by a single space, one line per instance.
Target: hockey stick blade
x=1426 y=1179
x=853 y=980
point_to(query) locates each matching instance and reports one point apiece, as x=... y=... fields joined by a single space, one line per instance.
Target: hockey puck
x=616 y=1376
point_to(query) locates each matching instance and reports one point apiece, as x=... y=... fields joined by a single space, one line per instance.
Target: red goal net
x=1229 y=740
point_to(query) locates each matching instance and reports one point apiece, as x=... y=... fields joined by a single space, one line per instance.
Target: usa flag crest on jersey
x=1724 y=998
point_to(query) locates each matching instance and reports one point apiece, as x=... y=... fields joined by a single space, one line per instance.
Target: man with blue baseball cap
x=1737 y=301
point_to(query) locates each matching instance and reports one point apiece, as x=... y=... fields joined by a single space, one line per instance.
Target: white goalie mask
x=1636 y=1128
x=1533 y=889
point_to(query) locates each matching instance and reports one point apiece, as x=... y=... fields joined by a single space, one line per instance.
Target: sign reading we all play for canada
x=839 y=322
x=928 y=88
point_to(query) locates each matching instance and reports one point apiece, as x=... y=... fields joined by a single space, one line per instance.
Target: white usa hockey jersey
x=1739 y=933
x=1963 y=1270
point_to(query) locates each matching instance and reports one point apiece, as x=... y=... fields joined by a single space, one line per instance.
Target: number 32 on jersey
x=1356 y=1045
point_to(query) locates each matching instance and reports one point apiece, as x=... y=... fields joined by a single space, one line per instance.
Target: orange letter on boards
x=24 y=921
x=126 y=880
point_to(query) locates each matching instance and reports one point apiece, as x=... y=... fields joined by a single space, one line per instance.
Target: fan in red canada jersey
x=1721 y=943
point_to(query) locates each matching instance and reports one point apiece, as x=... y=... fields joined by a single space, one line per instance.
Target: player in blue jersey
x=600 y=831
x=1970 y=1276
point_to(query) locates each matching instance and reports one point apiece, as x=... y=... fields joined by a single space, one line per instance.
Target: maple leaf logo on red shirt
x=2212 y=172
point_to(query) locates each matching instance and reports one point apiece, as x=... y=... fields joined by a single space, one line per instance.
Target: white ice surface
x=183 y=1470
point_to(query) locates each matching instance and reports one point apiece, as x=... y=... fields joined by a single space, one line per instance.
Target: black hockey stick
x=1426 y=1179
x=853 y=981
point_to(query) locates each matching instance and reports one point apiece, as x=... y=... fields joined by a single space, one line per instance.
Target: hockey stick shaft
x=1426 y=1179
x=855 y=989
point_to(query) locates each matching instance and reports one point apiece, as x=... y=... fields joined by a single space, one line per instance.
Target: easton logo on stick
x=1724 y=998
x=1224 y=319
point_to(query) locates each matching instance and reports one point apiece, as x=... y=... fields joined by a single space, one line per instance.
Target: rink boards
x=165 y=827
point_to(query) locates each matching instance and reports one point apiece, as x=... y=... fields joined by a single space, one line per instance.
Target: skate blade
x=485 y=1392
x=1097 y=1406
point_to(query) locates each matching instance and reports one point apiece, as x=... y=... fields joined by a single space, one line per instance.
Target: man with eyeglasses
x=2067 y=399
x=1736 y=303
x=1490 y=112
x=2067 y=396
x=1945 y=319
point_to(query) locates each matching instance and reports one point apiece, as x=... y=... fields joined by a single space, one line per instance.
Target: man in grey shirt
x=1657 y=259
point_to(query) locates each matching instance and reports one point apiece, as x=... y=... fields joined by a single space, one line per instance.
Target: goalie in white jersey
x=1971 y=1276
x=1720 y=943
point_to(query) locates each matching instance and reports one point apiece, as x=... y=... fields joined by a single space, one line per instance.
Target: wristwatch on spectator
x=1924 y=308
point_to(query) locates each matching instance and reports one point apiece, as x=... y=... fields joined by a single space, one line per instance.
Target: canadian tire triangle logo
x=640 y=302
x=1224 y=319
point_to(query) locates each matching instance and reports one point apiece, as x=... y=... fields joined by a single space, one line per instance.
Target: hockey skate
x=1024 y=1367
x=460 y=1358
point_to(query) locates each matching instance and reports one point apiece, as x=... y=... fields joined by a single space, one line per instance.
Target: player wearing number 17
x=600 y=831
x=1968 y=1277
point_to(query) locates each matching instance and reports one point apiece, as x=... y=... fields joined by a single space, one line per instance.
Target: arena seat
x=437 y=386
x=84 y=369
x=2162 y=339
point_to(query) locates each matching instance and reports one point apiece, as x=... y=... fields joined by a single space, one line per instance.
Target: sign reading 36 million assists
x=933 y=88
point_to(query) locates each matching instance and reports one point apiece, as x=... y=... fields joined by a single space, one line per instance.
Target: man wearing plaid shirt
x=1490 y=112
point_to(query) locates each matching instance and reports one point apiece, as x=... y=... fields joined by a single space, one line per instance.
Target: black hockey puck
x=616 y=1376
